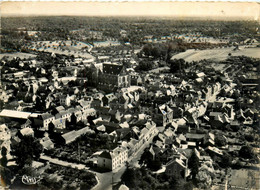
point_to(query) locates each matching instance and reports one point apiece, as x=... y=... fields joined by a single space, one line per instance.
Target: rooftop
x=112 y=69
x=15 y=114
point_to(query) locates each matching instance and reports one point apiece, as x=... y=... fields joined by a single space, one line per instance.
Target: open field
x=70 y=45
x=106 y=43
x=218 y=54
x=78 y=49
x=17 y=54
x=244 y=179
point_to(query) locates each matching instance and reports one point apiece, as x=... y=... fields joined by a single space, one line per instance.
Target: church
x=112 y=77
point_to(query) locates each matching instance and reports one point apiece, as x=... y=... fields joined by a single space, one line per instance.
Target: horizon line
x=177 y=9
x=204 y=17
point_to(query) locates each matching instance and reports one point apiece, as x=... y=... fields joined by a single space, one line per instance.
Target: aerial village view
x=129 y=102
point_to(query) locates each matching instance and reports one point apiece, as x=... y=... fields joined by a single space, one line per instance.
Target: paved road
x=106 y=179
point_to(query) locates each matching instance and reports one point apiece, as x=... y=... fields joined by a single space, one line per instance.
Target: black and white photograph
x=129 y=95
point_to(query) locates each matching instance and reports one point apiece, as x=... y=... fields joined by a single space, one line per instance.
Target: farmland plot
x=218 y=54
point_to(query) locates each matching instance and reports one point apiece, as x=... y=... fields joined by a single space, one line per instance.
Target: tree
x=51 y=128
x=91 y=74
x=237 y=164
x=180 y=184
x=204 y=179
x=220 y=140
x=246 y=152
x=139 y=178
x=205 y=175
x=156 y=52
x=226 y=160
x=193 y=164
x=129 y=177
x=4 y=159
x=27 y=150
x=39 y=105
x=85 y=185
x=145 y=157
x=147 y=49
x=176 y=65
x=249 y=137
x=150 y=162
x=145 y=65
x=155 y=164
x=5 y=172
x=6 y=176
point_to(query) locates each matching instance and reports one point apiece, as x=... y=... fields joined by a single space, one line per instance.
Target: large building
x=113 y=77
x=113 y=159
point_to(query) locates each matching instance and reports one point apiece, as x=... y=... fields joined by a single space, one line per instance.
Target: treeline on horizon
x=59 y=27
x=44 y=23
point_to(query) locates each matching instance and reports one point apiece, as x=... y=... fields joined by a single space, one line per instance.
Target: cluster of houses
x=112 y=160
x=179 y=112
x=164 y=113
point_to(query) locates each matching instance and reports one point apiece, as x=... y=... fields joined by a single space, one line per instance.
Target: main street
x=106 y=179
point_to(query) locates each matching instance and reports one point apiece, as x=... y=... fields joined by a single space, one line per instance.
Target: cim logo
x=28 y=180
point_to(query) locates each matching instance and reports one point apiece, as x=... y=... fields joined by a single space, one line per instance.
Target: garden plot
x=244 y=179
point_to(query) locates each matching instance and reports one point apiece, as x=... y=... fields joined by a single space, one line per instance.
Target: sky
x=176 y=9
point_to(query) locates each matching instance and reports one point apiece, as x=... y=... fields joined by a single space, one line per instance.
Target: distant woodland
x=15 y=29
